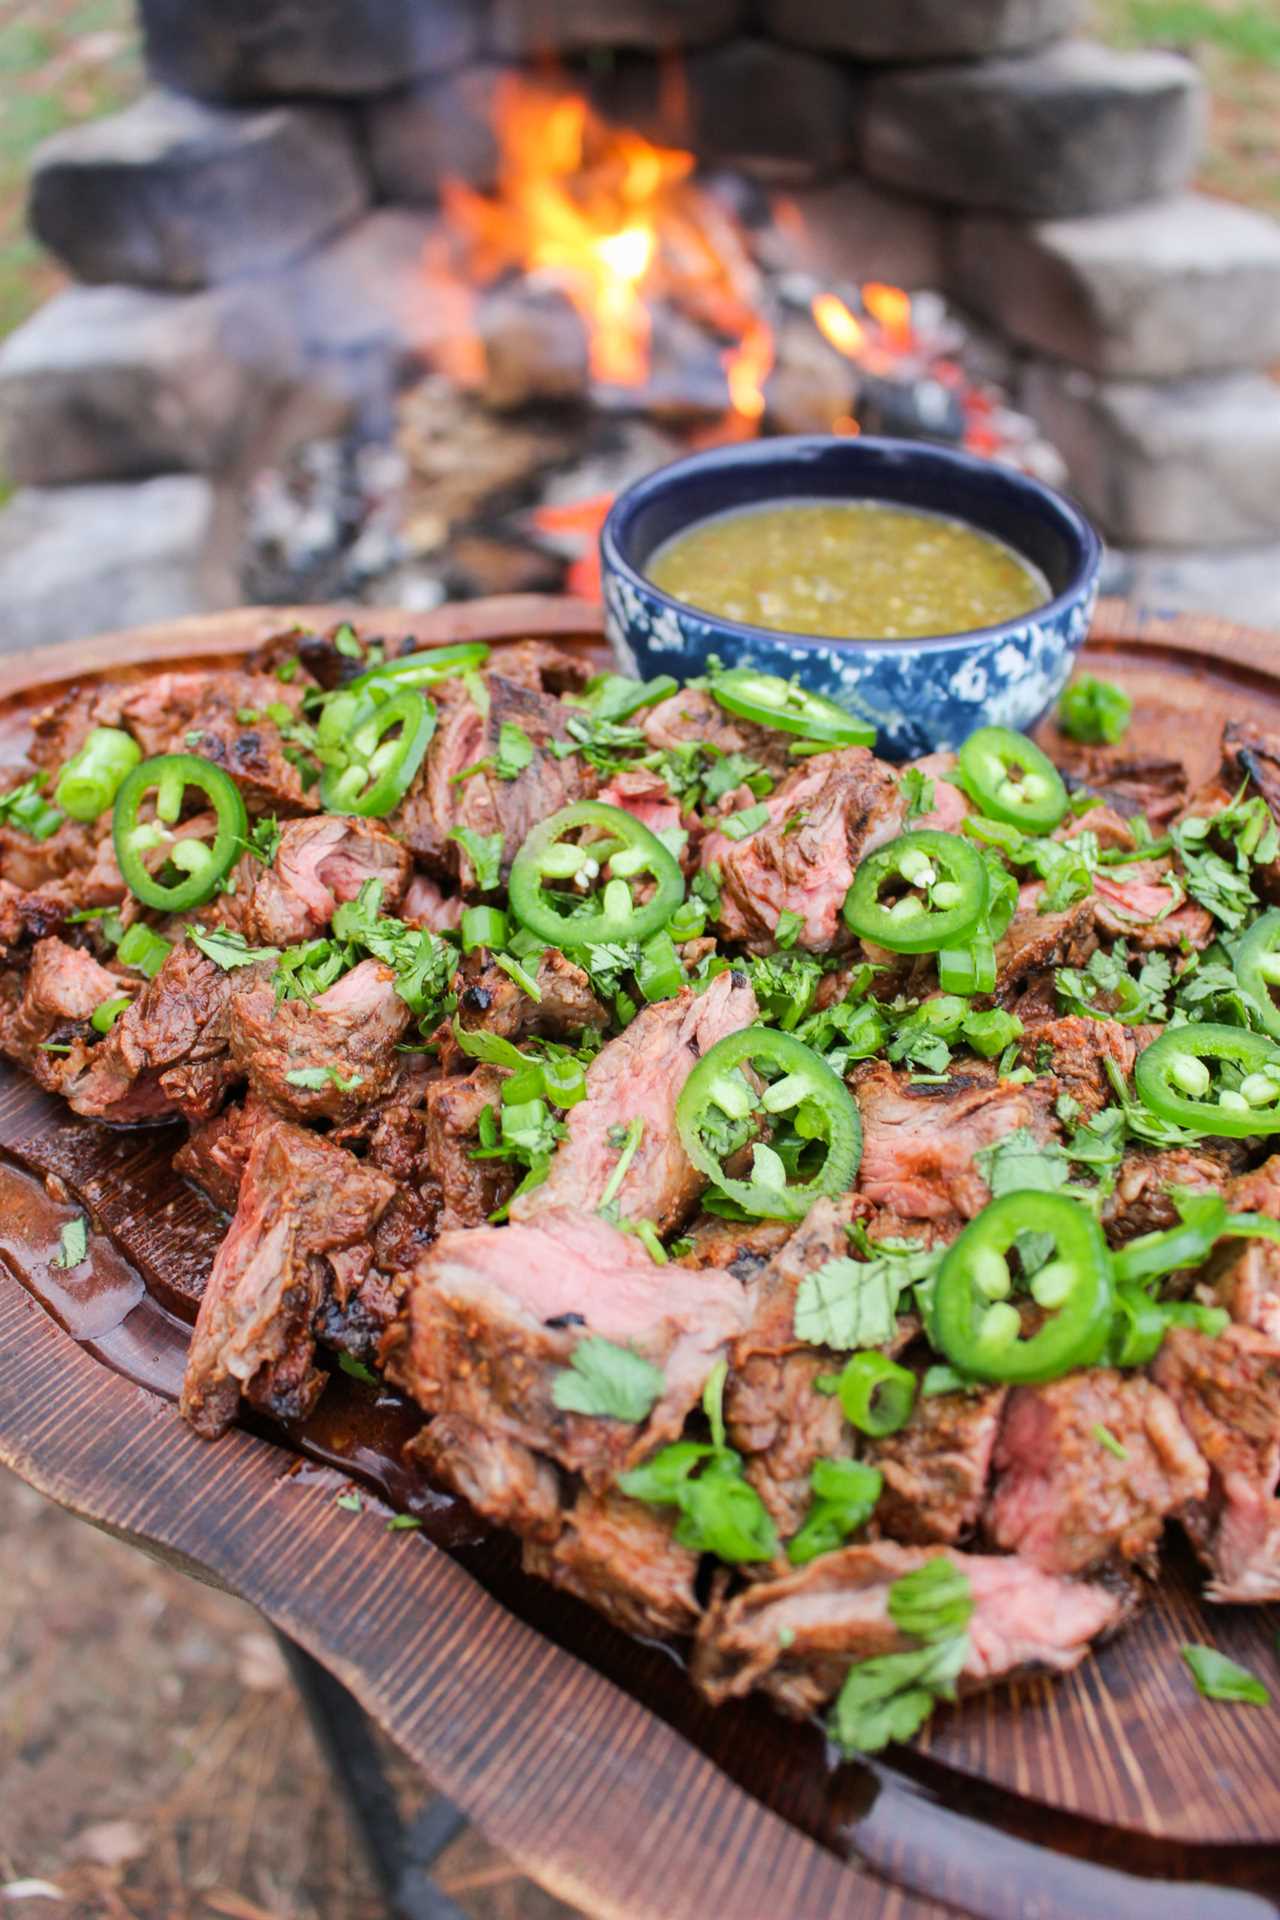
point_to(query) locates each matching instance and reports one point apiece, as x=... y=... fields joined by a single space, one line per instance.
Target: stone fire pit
x=256 y=241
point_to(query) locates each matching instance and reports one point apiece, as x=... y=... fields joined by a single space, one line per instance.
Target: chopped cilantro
x=1218 y=1678
x=607 y=1380
x=850 y=1304
x=73 y=1244
x=228 y=949
x=357 y=1369
x=789 y=927
x=515 y=751
x=350 y=1501
x=844 y=1494
x=403 y=1523
x=346 y=643
x=1107 y=1440
x=25 y=808
x=740 y=826
x=484 y=851
x=891 y=1697
x=315 y=1078
x=918 y=790
x=933 y=1602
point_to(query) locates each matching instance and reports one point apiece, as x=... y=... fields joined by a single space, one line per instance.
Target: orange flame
x=835 y=323
x=580 y=202
x=747 y=367
x=890 y=308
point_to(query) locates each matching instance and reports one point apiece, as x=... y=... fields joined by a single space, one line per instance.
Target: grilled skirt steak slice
x=919 y=1142
x=303 y=1204
x=775 y=1416
x=484 y=803
x=797 y=1637
x=824 y=818
x=489 y=998
x=1141 y=1201
x=644 y=794
x=59 y=991
x=742 y=1248
x=494 y=1314
x=319 y=863
x=196 y=711
x=1227 y=1390
x=1249 y=752
x=1035 y=941
x=168 y=1052
x=1063 y=1499
x=692 y=715
x=621 y=1558
x=506 y=1483
x=1244 y=1275
x=1132 y=903
x=467 y=1191
x=217 y=1151
x=1075 y=1049
x=936 y=1468
x=348 y=1034
x=640 y=1076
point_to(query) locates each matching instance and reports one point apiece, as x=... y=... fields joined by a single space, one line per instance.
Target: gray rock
x=519 y=29
x=1076 y=128
x=171 y=193
x=1234 y=583
x=443 y=129
x=78 y=560
x=919 y=29
x=244 y=49
x=111 y=382
x=1190 y=285
x=850 y=230
x=374 y=304
x=1188 y=463
x=778 y=114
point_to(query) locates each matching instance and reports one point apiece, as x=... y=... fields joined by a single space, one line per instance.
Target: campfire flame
x=581 y=202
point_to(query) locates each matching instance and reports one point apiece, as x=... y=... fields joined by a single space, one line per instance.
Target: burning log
x=535 y=346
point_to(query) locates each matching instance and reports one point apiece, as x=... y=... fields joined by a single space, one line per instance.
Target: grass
x=1236 y=45
x=61 y=61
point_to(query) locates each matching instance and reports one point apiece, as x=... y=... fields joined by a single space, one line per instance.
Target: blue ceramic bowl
x=919 y=694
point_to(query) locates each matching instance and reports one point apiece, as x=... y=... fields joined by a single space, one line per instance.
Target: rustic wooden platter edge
x=591 y=1791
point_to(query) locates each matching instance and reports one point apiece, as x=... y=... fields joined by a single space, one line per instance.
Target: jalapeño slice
x=1008 y=778
x=1173 y=1078
x=975 y=1324
x=1258 y=967
x=922 y=892
x=200 y=864
x=720 y=1111
x=389 y=734
x=571 y=882
x=771 y=701
x=419 y=669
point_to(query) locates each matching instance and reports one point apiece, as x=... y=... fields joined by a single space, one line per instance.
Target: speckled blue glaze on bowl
x=919 y=694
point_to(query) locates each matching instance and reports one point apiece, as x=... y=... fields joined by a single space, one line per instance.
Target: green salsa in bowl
x=925 y=590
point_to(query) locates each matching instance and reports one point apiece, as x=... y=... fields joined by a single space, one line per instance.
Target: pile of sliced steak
x=554 y=1285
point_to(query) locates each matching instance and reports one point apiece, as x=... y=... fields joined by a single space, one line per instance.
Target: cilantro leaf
x=25 y=808
x=1106 y=990
x=917 y=789
x=1019 y=1163
x=933 y=1602
x=484 y=851
x=607 y=1380
x=357 y=1369
x=515 y=751
x=73 y=1244
x=789 y=928
x=1218 y=1678
x=891 y=1697
x=228 y=949
x=848 y=1304
x=314 y=1078
x=844 y=1494
x=740 y=826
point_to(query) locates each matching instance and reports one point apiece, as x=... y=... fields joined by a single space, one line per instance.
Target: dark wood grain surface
x=585 y=1754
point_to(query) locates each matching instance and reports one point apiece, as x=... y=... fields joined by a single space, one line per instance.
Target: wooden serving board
x=584 y=1754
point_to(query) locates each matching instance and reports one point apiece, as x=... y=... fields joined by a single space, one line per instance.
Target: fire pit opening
x=388 y=298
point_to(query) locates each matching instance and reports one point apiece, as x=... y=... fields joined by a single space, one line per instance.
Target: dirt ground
x=155 y=1762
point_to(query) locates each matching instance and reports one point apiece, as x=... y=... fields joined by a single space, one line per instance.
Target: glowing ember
x=890 y=308
x=747 y=368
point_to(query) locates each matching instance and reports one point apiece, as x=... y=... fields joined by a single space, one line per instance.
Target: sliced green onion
x=89 y=781
x=483 y=927
x=144 y=950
